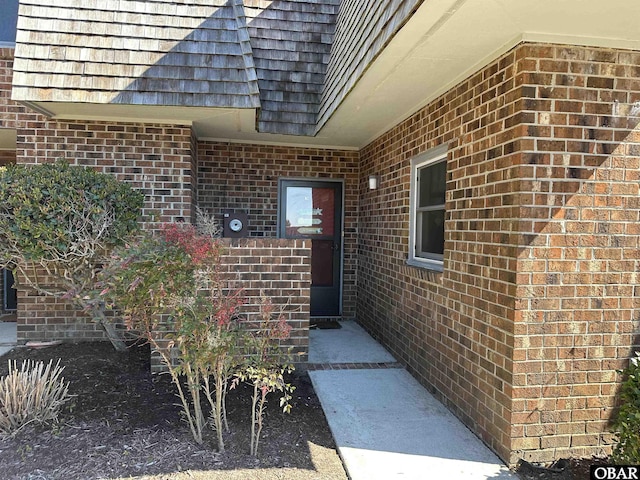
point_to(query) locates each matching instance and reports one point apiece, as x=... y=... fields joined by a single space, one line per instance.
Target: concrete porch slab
x=385 y=424
x=349 y=344
x=8 y=336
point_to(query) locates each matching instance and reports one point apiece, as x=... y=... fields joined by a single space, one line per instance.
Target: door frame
x=280 y=233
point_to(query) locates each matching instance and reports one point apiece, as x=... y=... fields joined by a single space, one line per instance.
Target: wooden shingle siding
x=135 y=52
x=291 y=43
x=364 y=27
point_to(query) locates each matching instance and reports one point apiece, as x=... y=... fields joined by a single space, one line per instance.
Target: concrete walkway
x=385 y=424
x=8 y=337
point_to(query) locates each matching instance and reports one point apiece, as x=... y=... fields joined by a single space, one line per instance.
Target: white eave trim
x=583 y=41
x=37 y=108
x=283 y=143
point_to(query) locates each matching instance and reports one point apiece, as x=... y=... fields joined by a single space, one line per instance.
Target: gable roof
x=334 y=73
x=291 y=43
x=134 y=52
x=271 y=55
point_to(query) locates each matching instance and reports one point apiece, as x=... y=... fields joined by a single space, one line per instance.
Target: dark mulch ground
x=572 y=469
x=124 y=423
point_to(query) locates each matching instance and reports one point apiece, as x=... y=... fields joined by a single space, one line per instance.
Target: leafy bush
x=64 y=220
x=35 y=393
x=48 y=211
x=168 y=288
x=265 y=365
x=627 y=422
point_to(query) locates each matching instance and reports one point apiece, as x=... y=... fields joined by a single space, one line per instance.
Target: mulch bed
x=124 y=422
x=564 y=469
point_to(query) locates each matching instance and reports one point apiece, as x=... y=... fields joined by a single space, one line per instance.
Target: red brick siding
x=7 y=157
x=9 y=110
x=522 y=333
x=279 y=268
x=193 y=173
x=245 y=177
x=155 y=159
x=577 y=309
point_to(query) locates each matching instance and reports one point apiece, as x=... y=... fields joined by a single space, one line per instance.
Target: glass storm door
x=313 y=210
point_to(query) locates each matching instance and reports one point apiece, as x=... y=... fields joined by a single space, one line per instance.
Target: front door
x=313 y=210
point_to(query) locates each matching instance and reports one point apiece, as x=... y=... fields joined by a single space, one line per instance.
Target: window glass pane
x=431 y=232
x=309 y=211
x=432 y=184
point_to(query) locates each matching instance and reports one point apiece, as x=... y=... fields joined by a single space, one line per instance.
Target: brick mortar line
x=353 y=366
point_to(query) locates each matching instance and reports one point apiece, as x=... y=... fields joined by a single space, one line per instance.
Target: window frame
x=426 y=159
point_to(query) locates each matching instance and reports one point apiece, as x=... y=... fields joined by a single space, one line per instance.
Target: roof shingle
x=135 y=52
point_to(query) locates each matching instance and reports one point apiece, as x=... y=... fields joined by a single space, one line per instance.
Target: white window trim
x=434 y=155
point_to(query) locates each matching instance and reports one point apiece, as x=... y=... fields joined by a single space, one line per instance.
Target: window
x=427 y=212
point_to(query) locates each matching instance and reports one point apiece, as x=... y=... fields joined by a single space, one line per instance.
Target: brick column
x=579 y=255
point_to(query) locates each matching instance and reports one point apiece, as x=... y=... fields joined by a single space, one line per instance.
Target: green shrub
x=48 y=210
x=63 y=220
x=169 y=289
x=627 y=422
x=35 y=393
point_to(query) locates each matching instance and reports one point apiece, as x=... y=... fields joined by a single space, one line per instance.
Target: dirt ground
x=123 y=423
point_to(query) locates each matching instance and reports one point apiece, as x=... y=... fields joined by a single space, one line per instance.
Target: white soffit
x=448 y=40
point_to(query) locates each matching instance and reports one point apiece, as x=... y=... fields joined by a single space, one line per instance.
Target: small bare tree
x=206 y=224
x=57 y=225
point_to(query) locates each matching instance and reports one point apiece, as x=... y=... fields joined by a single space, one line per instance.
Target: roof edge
x=247 y=52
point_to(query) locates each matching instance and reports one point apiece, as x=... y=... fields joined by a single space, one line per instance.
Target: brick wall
x=522 y=333
x=279 y=268
x=9 y=110
x=245 y=177
x=579 y=253
x=155 y=158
